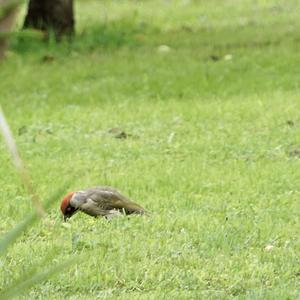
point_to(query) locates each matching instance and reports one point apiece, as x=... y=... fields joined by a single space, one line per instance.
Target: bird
x=100 y=201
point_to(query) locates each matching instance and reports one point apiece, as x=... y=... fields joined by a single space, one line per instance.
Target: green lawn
x=212 y=150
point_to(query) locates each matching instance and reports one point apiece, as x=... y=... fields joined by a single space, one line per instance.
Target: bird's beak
x=65 y=218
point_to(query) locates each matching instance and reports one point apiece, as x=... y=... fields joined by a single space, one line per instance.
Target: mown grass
x=212 y=150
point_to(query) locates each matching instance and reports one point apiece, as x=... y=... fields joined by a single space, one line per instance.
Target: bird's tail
x=133 y=208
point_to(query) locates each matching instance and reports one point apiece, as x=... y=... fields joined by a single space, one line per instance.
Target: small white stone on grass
x=171 y=137
x=228 y=57
x=163 y=49
x=269 y=248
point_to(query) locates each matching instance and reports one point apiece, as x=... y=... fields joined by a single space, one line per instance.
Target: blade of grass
x=29 y=282
x=13 y=234
x=6 y=7
x=10 y=237
x=41 y=265
x=8 y=12
x=12 y=148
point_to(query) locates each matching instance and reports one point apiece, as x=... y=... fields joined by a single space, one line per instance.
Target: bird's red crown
x=65 y=202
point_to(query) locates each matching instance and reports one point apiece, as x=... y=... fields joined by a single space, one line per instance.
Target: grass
x=212 y=150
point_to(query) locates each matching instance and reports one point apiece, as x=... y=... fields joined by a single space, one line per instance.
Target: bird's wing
x=91 y=208
x=107 y=198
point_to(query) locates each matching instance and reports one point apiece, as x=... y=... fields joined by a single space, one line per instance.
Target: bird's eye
x=69 y=209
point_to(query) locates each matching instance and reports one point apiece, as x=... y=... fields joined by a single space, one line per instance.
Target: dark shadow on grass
x=113 y=35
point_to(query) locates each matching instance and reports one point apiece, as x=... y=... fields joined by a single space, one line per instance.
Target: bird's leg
x=112 y=214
